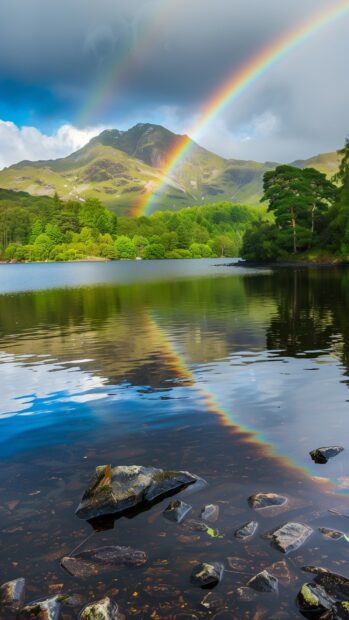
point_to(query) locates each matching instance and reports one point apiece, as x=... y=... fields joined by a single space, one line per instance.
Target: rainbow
x=233 y=87
x=116 y=72
x=212 y=404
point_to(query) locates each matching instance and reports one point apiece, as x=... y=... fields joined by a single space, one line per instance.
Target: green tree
x=124 y=247
x=154 y=251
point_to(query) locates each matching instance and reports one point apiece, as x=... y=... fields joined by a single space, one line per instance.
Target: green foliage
x=301 y=202
x=49 y=229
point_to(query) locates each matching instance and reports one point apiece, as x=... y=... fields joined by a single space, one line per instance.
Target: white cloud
x=18 y=143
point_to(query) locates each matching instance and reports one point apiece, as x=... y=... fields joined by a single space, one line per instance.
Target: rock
x=12 y=594
x=335 y=585
x=264 y=582
x=176 y=511
x=291 y=536
x=313 y=600
x=207 y=575
x=95 y=561
x=339 y=611
x=246 y=595
x=321 y=455
x=247 y=531
x=211 y=602
x=210 y=513
x=314 y=569
x=48 y=609
x=193 y=525
x=119 y=489
x=104 y=609
x=328 y=533
x=259 y=501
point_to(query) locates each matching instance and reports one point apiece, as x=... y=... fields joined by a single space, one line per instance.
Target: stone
x=210 y=513
x=335 y=585
x=313 y=600
x=207 y=575
x=264 y=582
x=114 y=491
x=259 y=501
x=322 y=455
x=314 y=569
x=176 y=511
x=194 y=525
x=12 y=594
x=48 y=609
x=328 y=533
x=246 y=531
x=105 y=609
x=211 y=602
x=95 y=561
x=246 y=595
x=339 y=611
x=291 y=536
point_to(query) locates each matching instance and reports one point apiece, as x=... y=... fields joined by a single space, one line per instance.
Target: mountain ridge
x=119 y=167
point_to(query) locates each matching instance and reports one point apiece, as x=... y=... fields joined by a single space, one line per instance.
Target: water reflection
x=234 y=377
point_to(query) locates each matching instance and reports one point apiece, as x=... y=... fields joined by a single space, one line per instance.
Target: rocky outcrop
x=12 y=594
x=313 y=600
x=291 y=536
x=95 y=561
x=322 y=455
x=104 y=609
x=115 y=490
x=207 y=575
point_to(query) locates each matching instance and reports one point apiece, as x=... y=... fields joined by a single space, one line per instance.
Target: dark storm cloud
x=54 y=53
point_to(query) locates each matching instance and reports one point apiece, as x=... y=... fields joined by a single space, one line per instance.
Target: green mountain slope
x=119 y=168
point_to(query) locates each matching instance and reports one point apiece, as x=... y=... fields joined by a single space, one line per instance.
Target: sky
x=71 y=68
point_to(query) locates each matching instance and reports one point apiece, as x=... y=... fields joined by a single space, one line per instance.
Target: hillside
x=118 y=166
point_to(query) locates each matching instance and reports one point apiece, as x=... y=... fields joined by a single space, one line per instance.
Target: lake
x=230 y=373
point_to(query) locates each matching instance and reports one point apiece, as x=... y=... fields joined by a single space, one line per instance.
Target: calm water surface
x=232 y=374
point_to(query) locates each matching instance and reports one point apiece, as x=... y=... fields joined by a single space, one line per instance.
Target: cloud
x=18 y=143
x=159 y=60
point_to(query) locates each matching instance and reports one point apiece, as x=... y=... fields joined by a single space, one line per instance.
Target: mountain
x=119 y=167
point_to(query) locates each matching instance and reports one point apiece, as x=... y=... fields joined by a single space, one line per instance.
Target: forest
x=48 y=229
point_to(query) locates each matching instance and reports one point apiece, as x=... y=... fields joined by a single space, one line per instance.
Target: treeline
x=310 y=215
x=48 y=229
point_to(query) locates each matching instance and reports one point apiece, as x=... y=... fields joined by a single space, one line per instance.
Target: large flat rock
x=291 y=536
x=116 y=490
x=95 y=561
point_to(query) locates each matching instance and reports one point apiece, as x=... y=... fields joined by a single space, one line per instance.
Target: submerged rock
x=12 y=594
x=104 y=609
x=211 y=602
x=176 y=511
x=259 y=501
x=119 y=489
x=48 y=609
x=246 y=531
x=194 y=525
x=313 y=600
x=291 y=536
x=210 y=513
x=321 y=455
x=207 y=575
x=264 y=582
x=328 y=533
x=95 y=561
